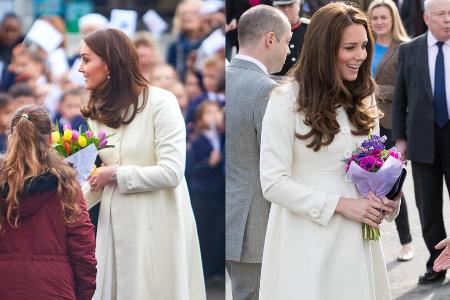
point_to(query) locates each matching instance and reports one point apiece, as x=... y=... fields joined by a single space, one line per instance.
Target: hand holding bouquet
x=373 y=168
x=80 y=149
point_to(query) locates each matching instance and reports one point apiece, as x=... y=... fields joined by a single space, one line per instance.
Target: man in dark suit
x=264 y=34
x=291 y=8
x=421 y=126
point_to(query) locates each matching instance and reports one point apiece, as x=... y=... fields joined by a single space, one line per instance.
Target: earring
x=109 y=76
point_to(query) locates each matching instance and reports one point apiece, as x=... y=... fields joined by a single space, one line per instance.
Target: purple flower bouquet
x=373 y=168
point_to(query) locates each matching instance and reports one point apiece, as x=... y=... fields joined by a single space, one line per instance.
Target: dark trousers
x=402 y=219
x=428 y=188
x=209 y=212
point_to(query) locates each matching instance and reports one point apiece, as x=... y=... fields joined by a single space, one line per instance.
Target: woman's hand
x=101 y=178
x=443 y=261
x=368 y=211
x=394 y=204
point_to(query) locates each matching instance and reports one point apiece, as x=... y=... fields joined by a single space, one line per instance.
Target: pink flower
x=67 y=127
x=394 y=154
x=103 y=143
x=367 y=163
x=75 y=135
x=89 y=134
x=101 y=135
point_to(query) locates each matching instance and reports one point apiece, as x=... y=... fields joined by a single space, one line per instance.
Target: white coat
x=310 y=252
x=147 y=244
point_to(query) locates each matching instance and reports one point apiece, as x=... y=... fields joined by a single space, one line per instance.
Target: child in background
x=69 y=110
x=22 y=94
x=213 y=70
x=193 y=85
x=5 y=115
x=206 y=181
x=163 y=76
x=46 y=238
x=179 y=91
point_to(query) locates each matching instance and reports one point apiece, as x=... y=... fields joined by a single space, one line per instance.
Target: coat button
x=314 y=213
x=292 y=46
x=130 y=185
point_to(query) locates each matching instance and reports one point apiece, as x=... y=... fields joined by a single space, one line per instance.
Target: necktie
x=439 y=98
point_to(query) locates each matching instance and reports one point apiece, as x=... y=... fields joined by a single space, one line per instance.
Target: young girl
x=47 y=242
x=206 y=180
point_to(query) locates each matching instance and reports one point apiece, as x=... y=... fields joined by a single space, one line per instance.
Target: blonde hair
x=176 y=25
x=398 y=30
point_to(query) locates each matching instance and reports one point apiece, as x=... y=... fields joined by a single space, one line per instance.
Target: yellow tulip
x=94 y=169
x=82 y=141
x=56 y=137
x=67 y=135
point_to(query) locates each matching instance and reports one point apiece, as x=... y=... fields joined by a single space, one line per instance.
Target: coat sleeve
x=81 y=250
x=170 y=149
x=400 y=102
x=277 y=147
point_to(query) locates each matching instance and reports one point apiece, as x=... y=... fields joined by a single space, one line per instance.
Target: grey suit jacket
x=247 y=90
x=412 y=109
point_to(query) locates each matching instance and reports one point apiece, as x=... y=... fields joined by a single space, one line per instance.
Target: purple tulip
x=67 y=127
x=102 y=143
x=89 y=134
x=75 y=135
x=101 y=135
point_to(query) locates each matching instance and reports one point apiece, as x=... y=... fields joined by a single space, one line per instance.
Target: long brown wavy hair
x=322 y=89
x=111 y=102
x=28 y=154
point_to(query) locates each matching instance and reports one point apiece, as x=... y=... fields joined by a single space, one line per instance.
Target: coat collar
x=35 y=188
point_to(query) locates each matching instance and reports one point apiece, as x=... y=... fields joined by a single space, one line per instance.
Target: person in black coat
x=421 y=127
x=292 y=8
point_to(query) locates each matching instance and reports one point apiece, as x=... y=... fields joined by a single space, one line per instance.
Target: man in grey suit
x=263 y=33
x=421 y=127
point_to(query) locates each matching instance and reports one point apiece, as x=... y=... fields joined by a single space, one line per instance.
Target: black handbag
x=397 y=188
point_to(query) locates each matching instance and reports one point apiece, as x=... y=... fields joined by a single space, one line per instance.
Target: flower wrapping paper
x=380 y=182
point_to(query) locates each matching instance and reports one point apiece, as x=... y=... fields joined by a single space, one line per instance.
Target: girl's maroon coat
x=45 y=258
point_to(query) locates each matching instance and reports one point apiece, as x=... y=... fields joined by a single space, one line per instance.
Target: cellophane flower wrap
x=371 y=167
x=79 y=149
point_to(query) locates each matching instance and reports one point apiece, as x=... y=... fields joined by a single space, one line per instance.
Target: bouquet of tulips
x=80 y=149
x=371 y=167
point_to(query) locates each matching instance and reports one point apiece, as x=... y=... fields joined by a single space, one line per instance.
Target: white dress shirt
x=432 y=53
x=253 y=60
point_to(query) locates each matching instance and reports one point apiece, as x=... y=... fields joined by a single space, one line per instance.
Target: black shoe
x=432 y=276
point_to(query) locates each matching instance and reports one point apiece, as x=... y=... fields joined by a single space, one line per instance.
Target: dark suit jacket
x=412 y=110
x=385 y=78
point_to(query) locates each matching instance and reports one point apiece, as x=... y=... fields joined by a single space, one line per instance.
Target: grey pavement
x=403 y=276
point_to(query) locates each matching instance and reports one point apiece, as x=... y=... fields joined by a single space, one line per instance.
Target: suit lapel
x=423 y=68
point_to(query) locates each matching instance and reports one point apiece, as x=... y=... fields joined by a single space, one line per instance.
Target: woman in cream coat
x=147 y=245
x=314 y=247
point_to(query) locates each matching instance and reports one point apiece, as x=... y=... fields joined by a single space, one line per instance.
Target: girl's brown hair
x=28 y=154
x=322 y=89
x=112 y=101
